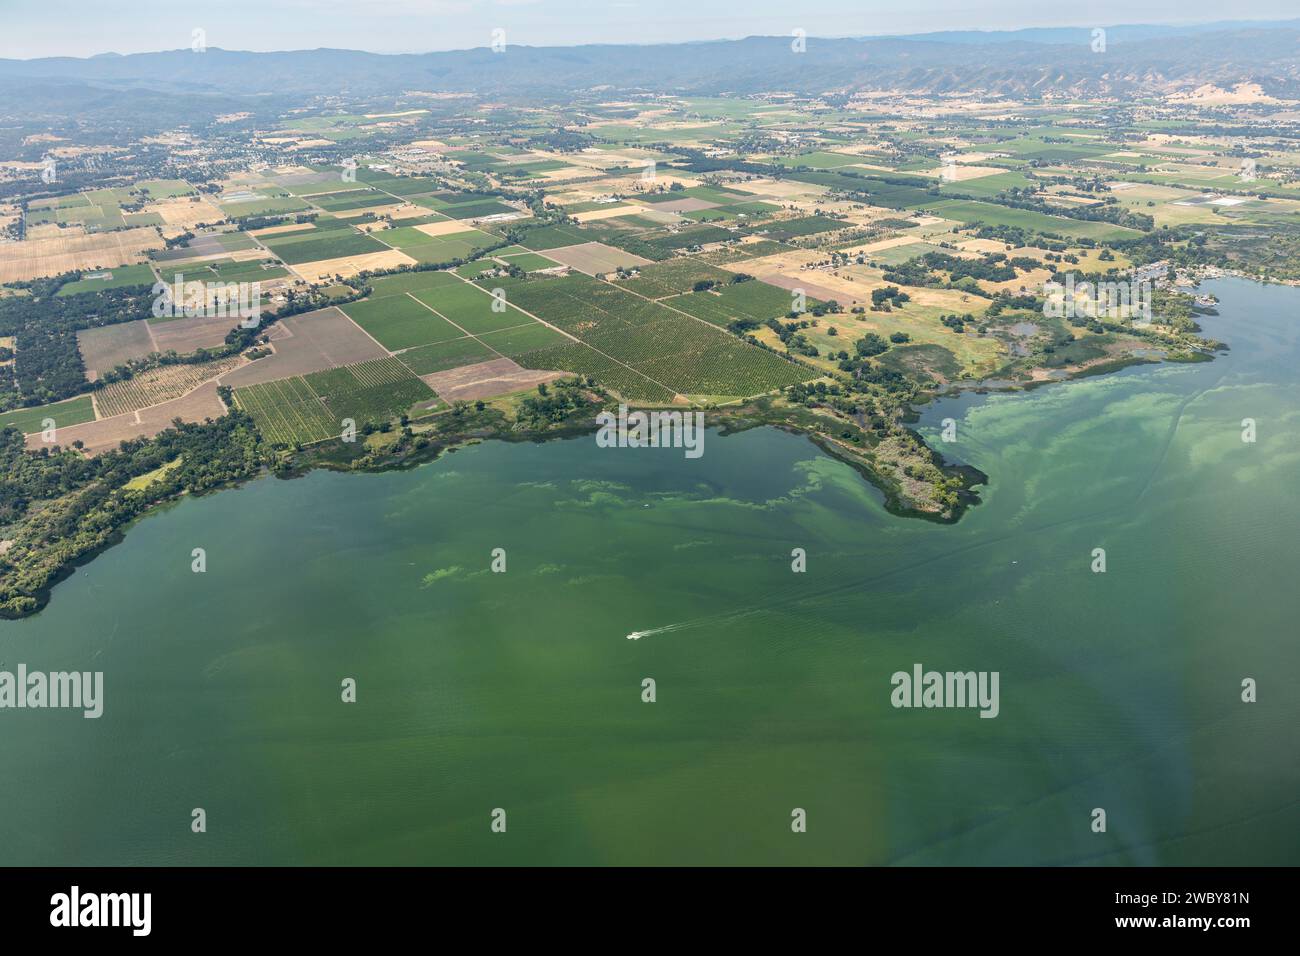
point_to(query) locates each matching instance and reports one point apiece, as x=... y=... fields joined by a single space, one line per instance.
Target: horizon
x=549 y=24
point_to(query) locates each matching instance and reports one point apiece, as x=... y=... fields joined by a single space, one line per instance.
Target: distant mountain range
x=1137 y=61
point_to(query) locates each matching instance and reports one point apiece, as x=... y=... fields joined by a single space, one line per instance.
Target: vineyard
x=678 y=352
x=376 y=391
x=287 y=412
x=582 y=360
x=159 y=385
x=311 y=408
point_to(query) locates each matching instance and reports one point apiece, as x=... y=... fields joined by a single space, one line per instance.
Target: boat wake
x=637 y=635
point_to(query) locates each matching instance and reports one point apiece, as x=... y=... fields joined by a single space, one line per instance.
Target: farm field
x=74 y=411
x=470 y=307
x=673 y=276
x=107 y=346
x=288 y=412
x=310 y=342
x=673 y=350
x=428 y=359
x=140 y=274
x=972 y=211
x=74 y=251
x=580 y=359
x=400 y=322
x=524 y=338
x=314 y=407
x=436 y=249
x=375 y=391
x=753 y=300
x=594 y=258
x=159 y=385
x=337 y=244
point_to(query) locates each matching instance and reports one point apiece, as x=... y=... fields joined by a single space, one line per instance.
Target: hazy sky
x=32 y=28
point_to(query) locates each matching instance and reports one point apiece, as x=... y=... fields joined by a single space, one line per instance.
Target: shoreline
x=430 y=444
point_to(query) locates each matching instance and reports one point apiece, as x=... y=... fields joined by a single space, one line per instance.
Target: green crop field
x=966 y=210
x=331 y=184
x=235 y=241
x=474 y=210
x=987 y=185
x=740 y=252
x=408 y=187
x=470 y=307
x=269 y=206
x=446 y=355
x=352 y=199
x=223 y=270
x=528 y=261
x=400 y=322
x=119 y=277
x=525 y=338
x=471 y=270
x=334 y=245
x=437 y=249
x=554 y=237
x=28 y=420
x=410 y=282
x=313 y=407
x=402 y=237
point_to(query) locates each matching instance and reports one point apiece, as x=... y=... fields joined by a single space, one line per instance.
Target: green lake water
x=479 y=690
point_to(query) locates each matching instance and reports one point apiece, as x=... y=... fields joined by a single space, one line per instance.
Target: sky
x=36 y=28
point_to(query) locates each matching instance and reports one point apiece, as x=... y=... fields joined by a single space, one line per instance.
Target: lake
x=478 y=690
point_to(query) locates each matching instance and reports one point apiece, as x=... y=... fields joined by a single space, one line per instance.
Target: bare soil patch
x=311 y=342
x=486 y=380
x=103 y=349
